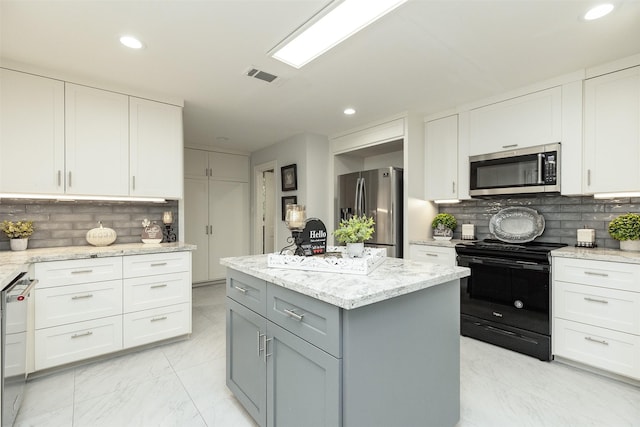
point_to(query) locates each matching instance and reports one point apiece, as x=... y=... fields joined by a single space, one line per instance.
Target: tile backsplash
x=563 y=215
x=65 y=223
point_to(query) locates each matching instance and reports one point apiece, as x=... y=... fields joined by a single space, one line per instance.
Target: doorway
x=265 y=202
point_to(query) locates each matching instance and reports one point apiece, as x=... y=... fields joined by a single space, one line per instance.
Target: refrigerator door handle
x=356 y=202
x=363 y=197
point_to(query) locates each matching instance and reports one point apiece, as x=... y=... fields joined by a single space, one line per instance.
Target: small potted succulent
x=443 y=225
x=18 y=233
x=354 y=232
x=626 y=229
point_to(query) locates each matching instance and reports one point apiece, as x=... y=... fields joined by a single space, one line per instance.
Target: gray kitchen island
x=311 y=348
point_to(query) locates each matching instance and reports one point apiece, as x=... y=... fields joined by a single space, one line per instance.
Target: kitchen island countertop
x=393 y=278
x=14 y=262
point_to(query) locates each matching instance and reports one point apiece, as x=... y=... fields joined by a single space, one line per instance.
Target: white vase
x=355 y=250
x=630 y=245
x=19 y=244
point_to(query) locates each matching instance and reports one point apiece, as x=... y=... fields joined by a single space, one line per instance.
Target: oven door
x=508 y=292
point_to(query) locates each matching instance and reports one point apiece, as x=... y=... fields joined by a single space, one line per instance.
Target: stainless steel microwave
x=527 y=170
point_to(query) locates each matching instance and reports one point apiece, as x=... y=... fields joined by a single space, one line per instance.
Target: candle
x=295 y=217
x=167 y=217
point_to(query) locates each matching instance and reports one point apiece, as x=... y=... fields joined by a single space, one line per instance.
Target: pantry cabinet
x=216 y=209
x=612 y=132
x=596 y=314
x=80 y=140
x=524 y=121
x=96 y=142
x=32 y=132
x=441 y=162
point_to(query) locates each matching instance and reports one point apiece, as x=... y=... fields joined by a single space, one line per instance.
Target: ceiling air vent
x=261 y=75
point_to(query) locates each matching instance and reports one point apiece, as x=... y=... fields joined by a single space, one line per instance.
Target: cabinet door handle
x=293 y=314
x=593 y=273
x=82 y=296
x=157 y=319
x=239 y=289
x=59 y=178
x=265 y=354
x=158 y=264
x=211 y=230
x=597 y=341
x=164 y=285
x=206 y=230
x=453 y=187
x=69 y=180
x=133 y=182
x=596 y=300
x=81 y=271
x=84 y=334
x=588 y=176
x=510 y=146
x=260 y=347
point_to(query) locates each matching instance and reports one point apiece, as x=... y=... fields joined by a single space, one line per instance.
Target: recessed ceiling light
x=598 y=11
x=132 y=42
x=336 y=23
x=349 y=111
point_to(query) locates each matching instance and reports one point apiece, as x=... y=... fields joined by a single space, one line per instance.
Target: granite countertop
x=442 y=243
x=598 y=254
x=14 y=262
x=393 y=278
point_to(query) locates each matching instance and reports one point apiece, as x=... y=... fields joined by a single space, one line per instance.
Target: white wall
x=311 y=155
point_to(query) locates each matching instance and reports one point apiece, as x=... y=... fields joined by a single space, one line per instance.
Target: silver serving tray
x=516 y=225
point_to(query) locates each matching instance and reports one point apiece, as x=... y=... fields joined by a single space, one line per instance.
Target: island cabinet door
x=303 y=382
x=246 y=359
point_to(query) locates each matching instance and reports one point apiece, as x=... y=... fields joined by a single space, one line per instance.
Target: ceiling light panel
x=131 y=42
x=598 y=11
x=338 y=24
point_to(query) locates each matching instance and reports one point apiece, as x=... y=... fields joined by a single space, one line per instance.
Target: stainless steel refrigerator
x=375 y=193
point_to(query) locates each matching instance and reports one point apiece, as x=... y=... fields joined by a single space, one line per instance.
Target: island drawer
x=70 y=272
x=76 y=303
x=247 y=290
x=607 y=308
x=143 y=293
x=433 y=254
x=606 y=274
x=148 y=326
x=156 y=264
x=312 y=320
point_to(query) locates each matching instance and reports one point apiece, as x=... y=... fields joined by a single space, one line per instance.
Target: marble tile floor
x=183 y=384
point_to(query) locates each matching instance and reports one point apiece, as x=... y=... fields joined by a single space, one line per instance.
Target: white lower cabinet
x=77 y=341
x=79 y=314
x=434 y=254
x=596 y=314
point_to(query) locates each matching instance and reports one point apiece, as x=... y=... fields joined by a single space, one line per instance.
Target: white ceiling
x=427 y=56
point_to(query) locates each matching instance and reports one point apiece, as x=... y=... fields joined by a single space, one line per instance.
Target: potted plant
x=626 y=229
x=354 y=232
x=18 y=233
x=443 y=225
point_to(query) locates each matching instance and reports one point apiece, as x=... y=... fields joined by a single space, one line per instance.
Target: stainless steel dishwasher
x=14 y=345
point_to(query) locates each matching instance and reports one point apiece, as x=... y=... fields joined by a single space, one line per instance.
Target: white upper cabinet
x=229 y=167
x=525 y=121
x=96 y=141
x=612 y=132
x=156 y=149
x=441 y=162
x=31 y=133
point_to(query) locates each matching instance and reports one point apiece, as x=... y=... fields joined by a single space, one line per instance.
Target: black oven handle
x=501 y=262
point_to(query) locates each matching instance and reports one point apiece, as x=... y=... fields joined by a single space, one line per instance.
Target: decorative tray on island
x=335 y=260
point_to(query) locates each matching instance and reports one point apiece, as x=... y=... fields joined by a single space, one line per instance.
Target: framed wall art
x=289 y=177
x=288 y=200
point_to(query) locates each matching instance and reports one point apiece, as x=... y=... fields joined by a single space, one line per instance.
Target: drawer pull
x=593 y=273
x=510 y=146
x=239 y=289
x=84 y=334
x=293 y=314
x=164 y=285
x=157 y=319
x=596 y=300
x=595 y=340
x=430 y=254
x=81 y=271
x=82 y=296
x=158 y=264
